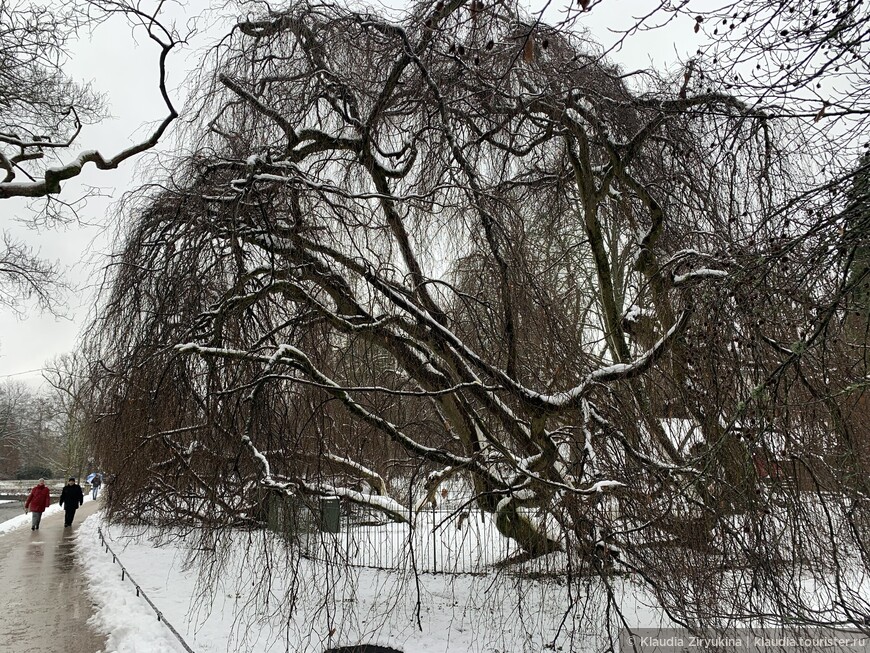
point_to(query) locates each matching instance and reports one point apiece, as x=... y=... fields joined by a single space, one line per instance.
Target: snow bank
x=128 y=621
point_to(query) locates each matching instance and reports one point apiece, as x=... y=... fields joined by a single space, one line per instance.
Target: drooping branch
x=52 y=177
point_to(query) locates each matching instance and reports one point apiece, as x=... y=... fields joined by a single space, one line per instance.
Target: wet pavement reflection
x=65 y=555
x=43 y=604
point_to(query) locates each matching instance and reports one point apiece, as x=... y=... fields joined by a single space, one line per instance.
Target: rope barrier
x=141 y=592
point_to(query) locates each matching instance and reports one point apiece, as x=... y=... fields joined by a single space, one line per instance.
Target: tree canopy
x=458 y=246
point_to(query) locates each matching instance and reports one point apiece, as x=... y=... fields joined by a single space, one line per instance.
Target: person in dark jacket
x=96 y=482
x=37 y=501
x=70 y=500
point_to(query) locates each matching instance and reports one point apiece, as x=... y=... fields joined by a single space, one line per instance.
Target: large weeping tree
x=460 y=247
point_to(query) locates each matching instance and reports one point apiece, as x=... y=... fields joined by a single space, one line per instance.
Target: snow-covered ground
x=335 y=605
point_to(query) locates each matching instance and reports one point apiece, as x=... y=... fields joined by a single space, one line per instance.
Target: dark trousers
x=69 y=513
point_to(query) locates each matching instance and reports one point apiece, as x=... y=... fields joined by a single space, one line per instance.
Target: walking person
x=96 y=482
x=37 y=501
x=70 y=500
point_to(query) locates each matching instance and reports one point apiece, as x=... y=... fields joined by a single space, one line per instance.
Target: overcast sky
x=125 y=70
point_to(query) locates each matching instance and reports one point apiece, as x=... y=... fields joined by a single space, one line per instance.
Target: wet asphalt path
x=43 y=604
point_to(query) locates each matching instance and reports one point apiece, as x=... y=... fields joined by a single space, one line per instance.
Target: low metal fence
x=125 y=575
x=438 y=539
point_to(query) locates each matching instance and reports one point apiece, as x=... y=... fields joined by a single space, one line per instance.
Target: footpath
x=43 y=604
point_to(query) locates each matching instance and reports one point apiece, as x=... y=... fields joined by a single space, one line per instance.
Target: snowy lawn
x=336 y=605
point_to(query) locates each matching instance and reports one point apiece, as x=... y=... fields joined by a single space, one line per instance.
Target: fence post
x=434 y=541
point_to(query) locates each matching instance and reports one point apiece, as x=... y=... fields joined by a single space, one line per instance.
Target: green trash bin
x=330 y=514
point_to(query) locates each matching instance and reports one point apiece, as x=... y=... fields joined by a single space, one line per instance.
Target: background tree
x=30 y=438
x=11 y=434
x=67 y=377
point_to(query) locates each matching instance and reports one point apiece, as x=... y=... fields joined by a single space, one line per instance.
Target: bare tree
x=799 y=59
x=29 y=432
x=24 y=275
x=11 y=436
x=459 y=246
x=45 y=110
x=67 y=376
x=42 y=113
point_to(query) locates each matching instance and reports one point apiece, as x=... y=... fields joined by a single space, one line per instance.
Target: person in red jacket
x=37 y=501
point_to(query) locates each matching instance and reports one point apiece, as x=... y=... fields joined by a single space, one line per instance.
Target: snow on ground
x=336 y=605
